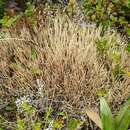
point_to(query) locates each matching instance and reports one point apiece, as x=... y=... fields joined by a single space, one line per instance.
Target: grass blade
x=94 y=117
x=106 y=116
x=123 y=117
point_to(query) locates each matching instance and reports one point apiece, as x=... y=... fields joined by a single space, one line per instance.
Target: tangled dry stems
x=65 y=57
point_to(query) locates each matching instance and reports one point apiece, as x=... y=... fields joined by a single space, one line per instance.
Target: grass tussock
x=75 y=64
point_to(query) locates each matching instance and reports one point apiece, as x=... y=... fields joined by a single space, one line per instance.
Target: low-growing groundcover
x=54 y=75
x=109 y=13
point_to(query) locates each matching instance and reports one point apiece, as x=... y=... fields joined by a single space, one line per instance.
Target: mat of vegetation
x=55 y=67
x=51 y=77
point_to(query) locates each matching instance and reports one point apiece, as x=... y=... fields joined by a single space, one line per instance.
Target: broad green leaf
x=123 y=117
x=106 y=116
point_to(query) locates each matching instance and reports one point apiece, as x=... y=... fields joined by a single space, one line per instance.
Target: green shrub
x=115 y=13
x=8 y=21
x=31 y=121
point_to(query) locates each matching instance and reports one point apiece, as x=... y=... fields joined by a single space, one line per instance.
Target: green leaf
x=73 y=124
x=62 y=114
x=116 y=56
x=114 y=19
x=37 y=126
x=128 y=31
x=36 y=71
x=48 y=113
x=102 y=44
x=9 y=108
x=128 y=47
x=33 y=54
x=102 y=92
x=58 y=123
x=106 y=116
x=21 y=124
x=8 y=21
x=118 y=72
x=123 y=117
x=28 y=108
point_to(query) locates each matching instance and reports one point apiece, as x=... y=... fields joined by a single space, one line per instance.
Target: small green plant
x=118 y=72
x=74 y=124
x=109 y=122
x=29 y=13
x=111 y=54
x=102 y=45
x=8 y=21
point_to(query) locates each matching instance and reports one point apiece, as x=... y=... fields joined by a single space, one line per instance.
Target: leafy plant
x=106 y=116
x=21 y=124
x=8 y=21
x=118 y=72
x=29 y=119
x=115 y=13
x=109 y=122
x=102 y=45
x=74 y=124
x=29 y=13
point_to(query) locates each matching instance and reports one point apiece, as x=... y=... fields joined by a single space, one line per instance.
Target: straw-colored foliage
x=76 y=64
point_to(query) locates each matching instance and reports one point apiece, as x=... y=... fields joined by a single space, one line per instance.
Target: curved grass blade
x=123 y=117
x=106 y=116
x=94 y=117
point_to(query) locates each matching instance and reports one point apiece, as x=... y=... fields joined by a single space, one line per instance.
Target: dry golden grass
x=65 y=57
